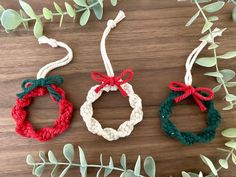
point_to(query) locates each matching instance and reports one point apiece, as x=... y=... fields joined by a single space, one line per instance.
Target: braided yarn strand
x=189 y=138
x=25 y=128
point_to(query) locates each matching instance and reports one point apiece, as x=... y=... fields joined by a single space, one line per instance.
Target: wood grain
x=154 y=43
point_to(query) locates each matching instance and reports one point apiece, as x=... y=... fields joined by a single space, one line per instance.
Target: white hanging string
x=194 y=54
x=110 y=25
x=53 y=65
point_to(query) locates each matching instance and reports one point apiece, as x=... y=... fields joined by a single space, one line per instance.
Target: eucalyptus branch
x=68 y=151
x=11 y=19
x=223 y=77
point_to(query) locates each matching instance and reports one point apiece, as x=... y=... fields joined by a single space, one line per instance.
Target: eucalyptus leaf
x=38 y=28
x=54 y=171
x=234 y=14
x=68 y=152
x=100 y=3
x=217 y=88
x=30 y=160
x=228 y=55
x=58 y=8
x=150 y=166
x=70 y=10
x=231 y=144
x=11 y=19
x=209 y=163
x=28 y=9
x=98 y=11
x=224 y=163
x=39 y=170
x=42 y=156
x=128 y=173
x=84 y=17
x=82 y=157
x=137 y=168
x=51 y=157
x=81 y=3
x=229 y=107
x=214 y=7
x=206 y=26
x=227 y=75
x=213 y=18
x=192 y=19
x=23 y=16
x=229 y=133
x=230 y=97
x=213 y=46
x=214 y=74
x=123 y=161
x=206 y=61
x=234 y=158
x=114 y=2
x=193 y=174
x=230 y=84
x=65 y=171
x=100 y=169
x=185 y=174
x=83 y=171
x=110 y=169
x=47 y=14
x=1 y=10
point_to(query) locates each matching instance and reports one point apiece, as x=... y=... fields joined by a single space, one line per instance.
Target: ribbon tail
x=52 y=92
x=122 y=91
x=200 y=104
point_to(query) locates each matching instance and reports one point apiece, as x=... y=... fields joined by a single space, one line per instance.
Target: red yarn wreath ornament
x=25 y=128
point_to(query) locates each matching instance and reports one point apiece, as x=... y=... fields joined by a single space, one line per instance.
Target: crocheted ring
x=41 y=87
x=189 y=138
x=125 y=128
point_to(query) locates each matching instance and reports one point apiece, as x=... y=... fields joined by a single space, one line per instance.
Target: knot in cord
x=111 y=24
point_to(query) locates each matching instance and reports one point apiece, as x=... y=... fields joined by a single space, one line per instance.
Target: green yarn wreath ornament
x=189 y=138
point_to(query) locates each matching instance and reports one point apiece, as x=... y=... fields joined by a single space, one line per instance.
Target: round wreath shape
x=37 y=88
x=203 y=97
x=112 y=84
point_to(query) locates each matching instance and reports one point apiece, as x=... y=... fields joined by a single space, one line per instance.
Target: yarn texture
x=189 y=138
x=37 y=88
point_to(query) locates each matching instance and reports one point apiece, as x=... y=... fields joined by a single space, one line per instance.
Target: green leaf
x=47 y=14
x=214 y=7
x=234 y=158
x=23 y=16
x=82 y=157
x=229 y=133
x=213 y=18
x=192 y=19
x=230 y=84
x=28 y=9
x=224 y=163
x=51 y=157
x=81 y=3
x=110 y=169
x=228 y=55
x=68 y=152
x=213 y=46
x=38 y=28
x=1 y=10
x=234 y=14
x=123 y=161
x=185 y=174
x=137 y=167
x=209 y=163
x=70 y=10
x=214 y=74
x=58 y=8
x=231 y=144
x=54 y=171
x=39 y=170
x=114 y=2
x=128 y=173
x=193 y=174
x=206 y=26
x=229 y=107
x=230 y=97
x=227 y=75
x=65 y=171
x=100 y=3
x=98 y=11
x=206 y=61
x=99 y=171
x=84 y=17
x=42 y=156
x=150 y=166
x=30 y=160
x=83 y=171
x=217 y=88
x=11 y=19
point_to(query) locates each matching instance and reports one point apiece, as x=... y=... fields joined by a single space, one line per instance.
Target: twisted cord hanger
x=59 y=63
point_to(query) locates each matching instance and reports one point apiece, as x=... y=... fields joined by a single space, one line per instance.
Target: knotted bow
x=29 y=85
x=113 y=81
x=190 y=90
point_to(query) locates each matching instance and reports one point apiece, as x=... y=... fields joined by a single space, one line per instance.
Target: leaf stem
x=214 y=50
x=227 y=158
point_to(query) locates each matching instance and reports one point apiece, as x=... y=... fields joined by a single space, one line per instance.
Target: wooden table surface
x=154 y=42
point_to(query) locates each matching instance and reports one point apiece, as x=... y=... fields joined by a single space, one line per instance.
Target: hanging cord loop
x=110 y=25
x=53 y=65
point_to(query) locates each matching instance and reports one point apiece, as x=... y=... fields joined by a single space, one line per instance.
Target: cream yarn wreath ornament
x=111 y=83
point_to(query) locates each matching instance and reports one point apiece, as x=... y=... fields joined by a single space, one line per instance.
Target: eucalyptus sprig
x=229 y=149
x=69 y=152
x=11 y=19
x=223 y=76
